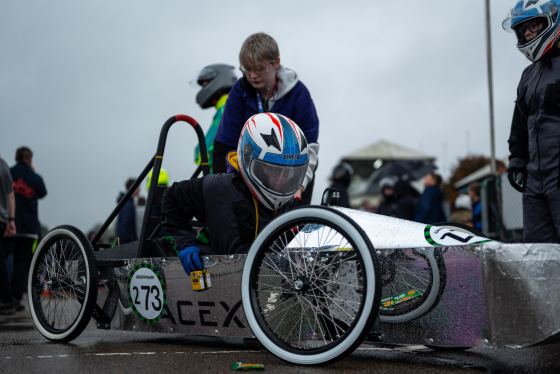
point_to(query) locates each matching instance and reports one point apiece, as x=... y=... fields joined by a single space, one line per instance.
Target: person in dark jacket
x=340 y=180
x=388 y=205
x=263 y=175
x=29 y=187
x=473 y=191
x=267 y=86
x=126 y=220
x=534 y=159
x=7 y=228
x=406 y=197
x=429 y=208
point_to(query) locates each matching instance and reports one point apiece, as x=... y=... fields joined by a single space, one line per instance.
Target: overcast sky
x=87 y=85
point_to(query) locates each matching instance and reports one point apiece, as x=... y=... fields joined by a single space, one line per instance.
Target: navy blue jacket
x=242 y=104
x=429 y=208
x=126 y=222
x=28 y=189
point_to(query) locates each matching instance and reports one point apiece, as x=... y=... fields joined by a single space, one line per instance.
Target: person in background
x=140 y=209
x=163 y=180
x=474 y=193
x=535 y=128
x=429 y=208
x=366 y=206
x=388 y=205
x=126 y=220
x=462 y=212
x=7 y=228
x=216 y=82
x=29 y=187
x=267 y=86
x=340 y=179
x=406 y=197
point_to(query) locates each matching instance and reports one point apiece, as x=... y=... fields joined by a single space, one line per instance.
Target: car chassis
x=316 y=283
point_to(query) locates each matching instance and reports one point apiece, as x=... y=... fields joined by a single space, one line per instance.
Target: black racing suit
x=534 y=145
x=226 y=206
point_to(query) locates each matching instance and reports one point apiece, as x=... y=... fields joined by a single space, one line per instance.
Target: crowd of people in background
x=399 y=199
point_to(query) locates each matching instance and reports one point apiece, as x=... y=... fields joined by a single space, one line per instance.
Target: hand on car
x=190 y=259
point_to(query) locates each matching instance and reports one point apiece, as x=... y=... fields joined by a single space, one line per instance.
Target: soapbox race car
x=317 y=281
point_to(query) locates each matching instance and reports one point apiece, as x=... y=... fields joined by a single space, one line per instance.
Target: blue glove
x=190 y=259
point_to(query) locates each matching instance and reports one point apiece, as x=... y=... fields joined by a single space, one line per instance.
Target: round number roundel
x=146 y=293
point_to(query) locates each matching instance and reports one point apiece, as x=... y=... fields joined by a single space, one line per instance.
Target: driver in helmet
x=216 y=81
x=534 y=164
x=263 y=176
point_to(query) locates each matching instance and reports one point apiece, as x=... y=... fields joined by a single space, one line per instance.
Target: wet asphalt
x=24 y=350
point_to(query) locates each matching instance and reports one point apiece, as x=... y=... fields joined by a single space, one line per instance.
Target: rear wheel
x=63 y=284
x=413 y=282
x=310 y=286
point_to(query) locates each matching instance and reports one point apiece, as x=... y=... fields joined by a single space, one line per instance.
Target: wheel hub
x=301 y=284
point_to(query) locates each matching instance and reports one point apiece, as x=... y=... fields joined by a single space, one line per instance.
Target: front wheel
x=63 y=284
x=311 y=287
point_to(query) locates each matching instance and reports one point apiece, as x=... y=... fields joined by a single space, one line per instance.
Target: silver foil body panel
x=496 y=294
x=217 y=311
x=521 y=286
x=459 y=319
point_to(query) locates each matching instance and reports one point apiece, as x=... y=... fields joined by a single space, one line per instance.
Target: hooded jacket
x=291 y=99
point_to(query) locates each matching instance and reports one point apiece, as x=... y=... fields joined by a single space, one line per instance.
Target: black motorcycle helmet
x=220 y=79
x=343 y=173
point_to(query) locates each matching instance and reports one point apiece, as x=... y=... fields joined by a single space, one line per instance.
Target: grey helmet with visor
x=216 y=80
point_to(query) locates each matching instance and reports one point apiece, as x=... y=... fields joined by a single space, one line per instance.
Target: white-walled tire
x=311 y=286
x=63 y=284
x=413 y=283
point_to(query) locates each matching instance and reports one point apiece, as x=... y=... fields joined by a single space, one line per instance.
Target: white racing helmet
x=272 y=155
x=525 y=12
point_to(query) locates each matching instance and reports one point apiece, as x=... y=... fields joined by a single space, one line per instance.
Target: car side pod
x=521 y=287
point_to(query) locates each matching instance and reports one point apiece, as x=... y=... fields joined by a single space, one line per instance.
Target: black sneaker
x=6 y=309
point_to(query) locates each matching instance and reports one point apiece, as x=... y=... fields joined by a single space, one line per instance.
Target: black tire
x=413 y=283
x=63 y=284
x=311 y=301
